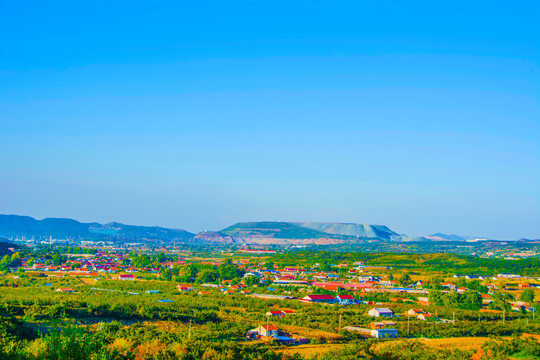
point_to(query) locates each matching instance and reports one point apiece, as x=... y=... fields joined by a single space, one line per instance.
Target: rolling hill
x=269 y=232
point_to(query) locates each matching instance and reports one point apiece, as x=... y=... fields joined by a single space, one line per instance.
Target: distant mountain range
x=262 y=232
x=24 y=226
x=451 y=237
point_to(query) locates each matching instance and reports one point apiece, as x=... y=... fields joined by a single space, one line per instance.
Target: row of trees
x=469 y=299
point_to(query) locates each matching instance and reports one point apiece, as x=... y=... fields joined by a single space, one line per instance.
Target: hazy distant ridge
x=58 y=228
x=263 y=232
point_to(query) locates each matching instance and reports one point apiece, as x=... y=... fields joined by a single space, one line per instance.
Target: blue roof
x=283 y=338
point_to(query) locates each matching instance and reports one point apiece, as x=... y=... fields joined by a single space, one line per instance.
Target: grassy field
x=463 y=343
x=310 y=349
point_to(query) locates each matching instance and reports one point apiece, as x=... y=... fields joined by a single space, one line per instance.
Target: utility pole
x=189 y=333
x=454 y=317
x=408 y=325
x=339 y=323
x=504 y=316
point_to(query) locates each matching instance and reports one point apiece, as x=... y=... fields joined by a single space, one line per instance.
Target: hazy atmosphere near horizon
x=420 y=115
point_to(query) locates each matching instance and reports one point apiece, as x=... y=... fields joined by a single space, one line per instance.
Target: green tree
x=404 y=279
x=207 y=276
x=186 y=272
x=15 y=260
x=470 y=299
x=325 y=266
x=528 y=296
x=160 y=257
x=436 y=297
x=57 y=259
x=451 y=299
x=501 y=300
x=251 y=280
x=228 y=271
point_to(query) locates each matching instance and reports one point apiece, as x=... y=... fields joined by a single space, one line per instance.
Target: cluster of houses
x=343 y=277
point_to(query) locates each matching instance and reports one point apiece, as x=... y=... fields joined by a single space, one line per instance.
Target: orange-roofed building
x=268 y=330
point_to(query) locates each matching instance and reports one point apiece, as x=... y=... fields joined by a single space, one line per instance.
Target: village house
x=212 y=286
x=381 y=324
x=329 y=299
x=275 y=313
x=346 y=300
x=425 y=316
x=126 y=277
x=449 y=285
x=387 y=283
x=381 y=312
x=64 y=290
x=184 y=287
x=474 y=277
x=384 y=333
x=423 y=301
x=268 y=330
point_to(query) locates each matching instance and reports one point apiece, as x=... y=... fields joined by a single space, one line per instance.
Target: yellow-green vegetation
x=98 y=316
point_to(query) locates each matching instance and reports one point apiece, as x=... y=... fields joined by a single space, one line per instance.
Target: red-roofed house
x=184 y=287
x=65 y=290
x=425 y=316
x=268 y=330
x=346 y=299
x=275 y=313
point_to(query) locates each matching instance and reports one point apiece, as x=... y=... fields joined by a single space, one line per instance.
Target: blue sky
x=420 y=115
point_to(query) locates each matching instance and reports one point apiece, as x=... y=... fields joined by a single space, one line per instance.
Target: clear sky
x=420 y=115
